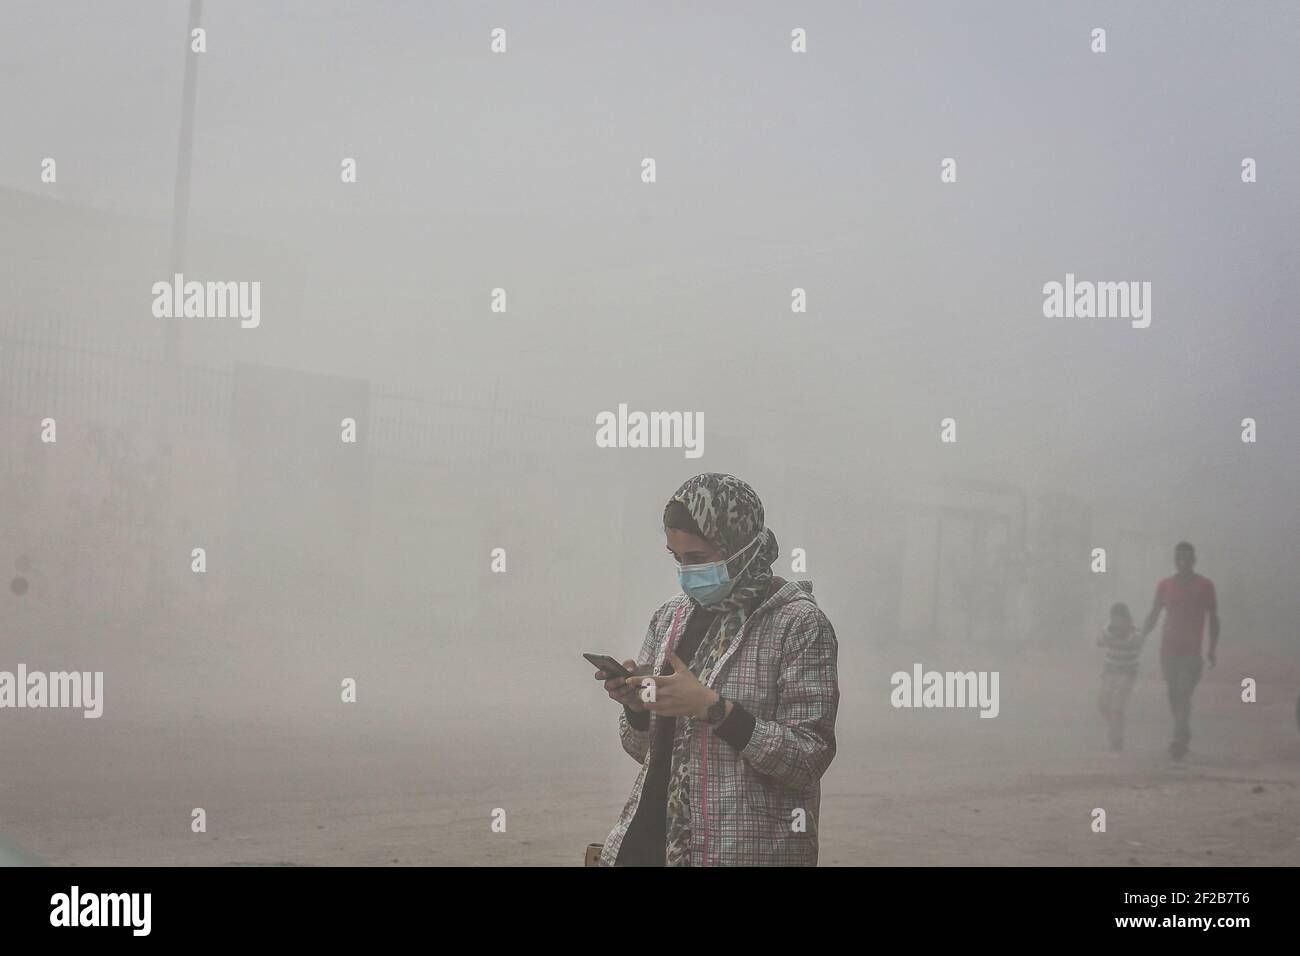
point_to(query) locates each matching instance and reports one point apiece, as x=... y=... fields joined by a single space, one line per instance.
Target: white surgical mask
x=711 y=583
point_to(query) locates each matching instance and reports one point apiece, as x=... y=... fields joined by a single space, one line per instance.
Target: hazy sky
x=775 y=170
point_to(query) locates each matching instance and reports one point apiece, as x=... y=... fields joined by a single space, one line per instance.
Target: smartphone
x=611 y=667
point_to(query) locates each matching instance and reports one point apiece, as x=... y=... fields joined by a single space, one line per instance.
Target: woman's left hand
x=680 y=694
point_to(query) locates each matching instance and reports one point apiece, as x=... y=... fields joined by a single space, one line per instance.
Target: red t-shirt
x=1186 y=604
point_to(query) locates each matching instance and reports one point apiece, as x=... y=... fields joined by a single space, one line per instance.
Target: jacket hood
x=792 y=592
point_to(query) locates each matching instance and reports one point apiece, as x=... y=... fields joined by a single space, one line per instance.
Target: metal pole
x=169 y=381
x=184 y=155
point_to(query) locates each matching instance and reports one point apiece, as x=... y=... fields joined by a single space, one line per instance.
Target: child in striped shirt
x=1123 y=644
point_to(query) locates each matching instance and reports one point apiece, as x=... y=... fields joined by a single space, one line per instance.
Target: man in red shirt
x=1187 y=599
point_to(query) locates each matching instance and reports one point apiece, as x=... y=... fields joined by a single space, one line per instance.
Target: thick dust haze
x=375 y=560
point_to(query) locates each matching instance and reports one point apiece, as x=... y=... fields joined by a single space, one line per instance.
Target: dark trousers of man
x=1182 y=672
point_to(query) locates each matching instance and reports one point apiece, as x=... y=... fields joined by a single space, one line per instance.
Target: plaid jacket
x=782 y=669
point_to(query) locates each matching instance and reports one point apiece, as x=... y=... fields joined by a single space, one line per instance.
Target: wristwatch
x=716 y=712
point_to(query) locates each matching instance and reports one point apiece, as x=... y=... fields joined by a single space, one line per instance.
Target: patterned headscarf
x=729 y=515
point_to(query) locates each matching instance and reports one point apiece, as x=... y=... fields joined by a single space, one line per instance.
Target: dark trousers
x=1182 y=673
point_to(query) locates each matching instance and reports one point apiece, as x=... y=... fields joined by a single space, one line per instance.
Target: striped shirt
x=1123 y=647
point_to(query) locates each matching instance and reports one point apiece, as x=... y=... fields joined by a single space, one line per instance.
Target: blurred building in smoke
x=405 y=522
x=158 y=455
x=1062 y=553
x=991 y=562
x=965 y=562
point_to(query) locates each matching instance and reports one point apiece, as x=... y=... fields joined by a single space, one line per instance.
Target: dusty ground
x=411 y=773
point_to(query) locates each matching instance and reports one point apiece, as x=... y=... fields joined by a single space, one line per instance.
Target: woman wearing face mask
x=732 y=711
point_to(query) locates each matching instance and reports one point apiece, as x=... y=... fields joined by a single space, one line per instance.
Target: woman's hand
x=680 y=694
x=619 y=689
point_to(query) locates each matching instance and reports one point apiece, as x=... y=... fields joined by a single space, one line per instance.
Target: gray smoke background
x=477 y=429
